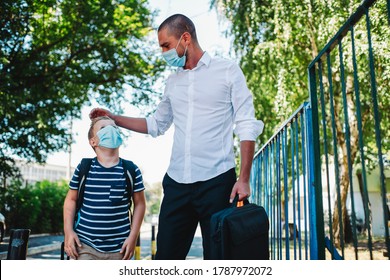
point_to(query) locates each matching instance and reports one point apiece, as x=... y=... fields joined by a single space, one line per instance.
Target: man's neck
x=193 y=58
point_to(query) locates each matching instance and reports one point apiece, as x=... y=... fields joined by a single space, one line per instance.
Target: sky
x=152 y=154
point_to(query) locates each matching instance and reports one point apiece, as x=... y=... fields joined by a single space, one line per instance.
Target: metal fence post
x=18 y=242
x=316 y=224
x=137 y=253
x=153 y=242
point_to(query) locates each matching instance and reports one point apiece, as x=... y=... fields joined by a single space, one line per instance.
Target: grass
x=363 y=253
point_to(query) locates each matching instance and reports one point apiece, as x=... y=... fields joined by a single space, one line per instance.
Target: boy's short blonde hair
x=93 y=122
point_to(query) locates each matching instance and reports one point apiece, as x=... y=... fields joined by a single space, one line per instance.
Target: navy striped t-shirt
x=104 y=222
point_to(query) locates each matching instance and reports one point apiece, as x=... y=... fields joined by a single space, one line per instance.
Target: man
x=203 y=99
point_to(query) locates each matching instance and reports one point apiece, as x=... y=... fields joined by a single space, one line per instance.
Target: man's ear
x=186 y=38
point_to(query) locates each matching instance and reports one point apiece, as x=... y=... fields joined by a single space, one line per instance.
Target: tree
x=153 y=198
x=56 y=56
x=35 y=206
x=276 y=41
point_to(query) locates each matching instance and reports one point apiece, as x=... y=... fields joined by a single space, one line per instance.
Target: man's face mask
x=173 y=59
x=109 y=137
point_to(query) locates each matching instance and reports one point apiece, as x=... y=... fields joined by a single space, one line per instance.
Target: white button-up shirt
x=205 y=104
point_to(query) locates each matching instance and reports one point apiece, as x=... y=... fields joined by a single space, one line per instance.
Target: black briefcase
x=240 y=233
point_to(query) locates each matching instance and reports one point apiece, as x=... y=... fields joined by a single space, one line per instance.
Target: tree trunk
x=344 y=224
x=366 y=201
x=343 y=166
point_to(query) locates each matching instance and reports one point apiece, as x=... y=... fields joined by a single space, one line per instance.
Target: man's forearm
x=134 y=124
x=247 y=149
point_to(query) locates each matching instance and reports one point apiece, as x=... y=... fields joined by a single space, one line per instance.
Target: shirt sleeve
x=138 y=183
x=74 y=182
x=162 y=118
x=246 y=126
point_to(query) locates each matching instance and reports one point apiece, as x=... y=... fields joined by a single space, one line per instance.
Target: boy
x=103 y=230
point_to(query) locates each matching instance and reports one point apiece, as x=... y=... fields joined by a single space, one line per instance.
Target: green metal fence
x=280 y=181
x=338 y=86
x=322 y=177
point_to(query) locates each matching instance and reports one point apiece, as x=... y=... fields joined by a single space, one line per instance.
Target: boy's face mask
x=109 y=137
x=172 y=58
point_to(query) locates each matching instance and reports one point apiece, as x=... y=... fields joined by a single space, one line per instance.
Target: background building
x=34 y=172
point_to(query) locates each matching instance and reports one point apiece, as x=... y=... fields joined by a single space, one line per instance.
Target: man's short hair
x=178 y=24
x=93 y=122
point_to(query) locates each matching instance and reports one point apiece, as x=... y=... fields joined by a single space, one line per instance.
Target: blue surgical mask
x=173 y=59
x=109 y=137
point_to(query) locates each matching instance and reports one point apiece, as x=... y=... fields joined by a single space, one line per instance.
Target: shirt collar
x=204 y=60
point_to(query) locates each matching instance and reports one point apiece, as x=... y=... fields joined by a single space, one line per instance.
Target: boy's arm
x=71 y=239
x=138 y=216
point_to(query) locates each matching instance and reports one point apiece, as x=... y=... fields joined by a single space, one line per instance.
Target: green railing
x=280 y=180
x=321 y=177
x=340 y=142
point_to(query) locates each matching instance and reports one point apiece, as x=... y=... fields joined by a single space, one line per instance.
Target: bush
x=37 y=207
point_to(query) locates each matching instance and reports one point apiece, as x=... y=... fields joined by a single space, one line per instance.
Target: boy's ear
x=94 y=141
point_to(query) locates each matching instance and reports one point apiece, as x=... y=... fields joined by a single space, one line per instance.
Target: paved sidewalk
x=39 y=244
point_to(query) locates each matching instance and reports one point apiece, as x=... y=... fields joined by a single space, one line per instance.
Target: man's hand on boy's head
x=99 y=112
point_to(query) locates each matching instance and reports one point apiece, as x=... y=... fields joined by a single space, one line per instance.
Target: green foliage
x=153 y=198
x=56 y=56
x=277 y=39
x=37 y=207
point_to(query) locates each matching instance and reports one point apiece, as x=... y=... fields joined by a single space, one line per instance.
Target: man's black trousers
x=186 y=205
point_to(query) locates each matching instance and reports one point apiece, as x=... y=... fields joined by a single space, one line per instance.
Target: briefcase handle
x=237 y=203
